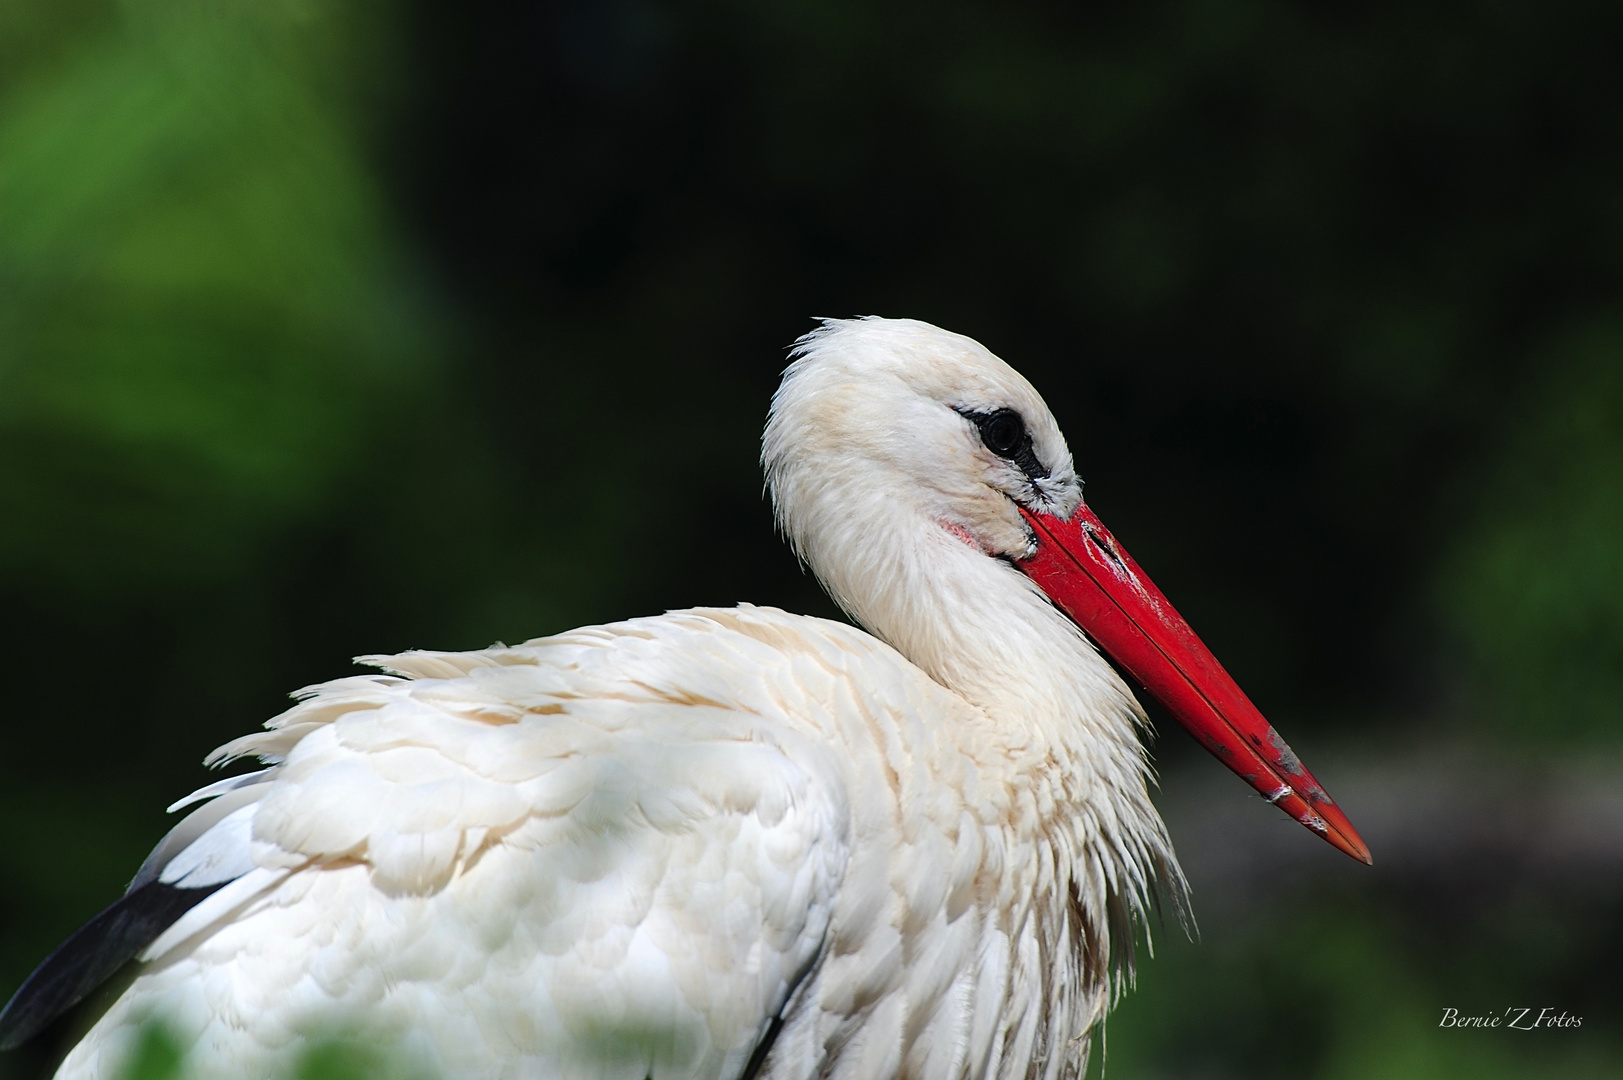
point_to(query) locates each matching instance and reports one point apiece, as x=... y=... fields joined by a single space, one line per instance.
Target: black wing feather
x=93 y=955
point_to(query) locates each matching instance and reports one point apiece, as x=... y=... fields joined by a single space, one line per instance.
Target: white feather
x=219 y=855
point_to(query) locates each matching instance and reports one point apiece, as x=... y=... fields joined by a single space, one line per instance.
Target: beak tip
x=1346 y=839
x=1326 y=819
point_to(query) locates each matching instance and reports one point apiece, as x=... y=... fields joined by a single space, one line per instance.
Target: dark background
x=339 y=328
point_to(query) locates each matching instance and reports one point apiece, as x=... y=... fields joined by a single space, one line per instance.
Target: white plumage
x=645 y=850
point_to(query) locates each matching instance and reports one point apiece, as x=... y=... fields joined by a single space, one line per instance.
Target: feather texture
x=712 y=844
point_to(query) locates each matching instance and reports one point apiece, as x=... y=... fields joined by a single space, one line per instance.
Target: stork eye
x=1004 y=433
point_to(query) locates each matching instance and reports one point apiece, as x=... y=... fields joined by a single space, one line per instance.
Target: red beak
x=1092 y=579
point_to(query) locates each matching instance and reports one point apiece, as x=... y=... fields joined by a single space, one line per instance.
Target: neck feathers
x=1060 y=722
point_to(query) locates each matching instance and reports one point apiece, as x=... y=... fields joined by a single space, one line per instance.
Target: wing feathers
x=93 y=955
x=207 y=850
x=194 y=825
x=213 y=904
x=652 y=833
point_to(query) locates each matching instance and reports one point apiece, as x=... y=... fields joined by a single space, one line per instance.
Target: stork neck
x=1059 y=721
x=981 y=628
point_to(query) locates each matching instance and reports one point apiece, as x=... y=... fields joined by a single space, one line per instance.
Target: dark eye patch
x=1004 y=432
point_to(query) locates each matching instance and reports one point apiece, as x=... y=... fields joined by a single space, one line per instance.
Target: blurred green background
x=338 y=328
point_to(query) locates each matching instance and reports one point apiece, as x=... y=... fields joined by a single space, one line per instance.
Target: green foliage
x=1536 y=587
x=203 y=310
x=340 y=1061
x=157 y=1056
x=1335 y=988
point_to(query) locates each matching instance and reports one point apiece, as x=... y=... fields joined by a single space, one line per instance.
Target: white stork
x=720 y=843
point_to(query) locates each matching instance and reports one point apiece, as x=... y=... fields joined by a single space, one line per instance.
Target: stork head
x=921 y=477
